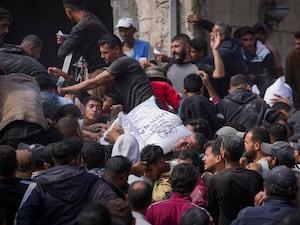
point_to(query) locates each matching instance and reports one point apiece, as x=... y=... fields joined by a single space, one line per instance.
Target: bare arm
x=211 y=91
x=215 y=41
x=101 y=79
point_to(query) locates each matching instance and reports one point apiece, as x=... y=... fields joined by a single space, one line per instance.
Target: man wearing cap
x=292 y=70
x=280 y=189
x=241 y=105
x=138 y=49
x=258 y=58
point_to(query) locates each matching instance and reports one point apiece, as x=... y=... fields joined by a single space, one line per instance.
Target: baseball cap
x=125 y=22
x=281 y=176
x=282 y=150
x=229 y=130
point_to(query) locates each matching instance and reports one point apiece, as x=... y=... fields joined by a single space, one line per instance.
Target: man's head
x=297 y=42
x=94 y=213
x=261 y=31
x=153 y=155
x=118 y=169
x=253 y=140
x=281 y=182
x=224 y=30
x=67 y=151
x=93 y=155
x=73 y=6
x=232 y=148
x=8 y=161
x=126 y=29
x=212 y=157
x=198 y=48
x=190 y=156
x=110 y=48
x=239 y=81
x=192 y=83
x=92 y=110
x=181 y=47
x=140 y=195
x=248 y=40
x=5 y=21
x=183 y=178
x=32 y=46
x=69 y=127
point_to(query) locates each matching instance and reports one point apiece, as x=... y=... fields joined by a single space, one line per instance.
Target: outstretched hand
x=215 y=40
x=193 y=19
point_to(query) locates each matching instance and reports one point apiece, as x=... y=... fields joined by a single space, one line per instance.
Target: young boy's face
x=153 y=171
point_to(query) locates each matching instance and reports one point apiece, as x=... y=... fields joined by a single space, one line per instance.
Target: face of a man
x=126 y=33
x=108 y=54
x=249 y=145
x=4 y=24
x=69 y=14
x=178 y=51
x=209 y=160
x=92 y=111
x=248 y=43
x=297 y=45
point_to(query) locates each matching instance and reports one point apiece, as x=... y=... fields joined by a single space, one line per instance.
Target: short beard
x=181 y=58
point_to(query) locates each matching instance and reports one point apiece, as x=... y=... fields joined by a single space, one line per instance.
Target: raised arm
x=215 y=41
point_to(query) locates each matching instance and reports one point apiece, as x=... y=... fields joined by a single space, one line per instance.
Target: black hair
x=183 y=178
x=199 y=44
x=297 y=34
x=233 y=147
x=238 y=79
x=151 y=154
x=215 y=146
x=225 y=29
x=199 y=125
x=278 y=132
x=281 y=106
x=33 y=39
x=260 y=134
x=91 y=98
x=67 y=150
x=118 y=165
x=8 y=160
x=67 y=110
x=111 y=40
x=74 y=5
x=48 y=153
x=120 y=210
x=93 y=154
x=192 y=83
x=182 y=37
x=192 y=155
x=194 y=216
x=140 y=195
x=5 y=14
x=94 y=214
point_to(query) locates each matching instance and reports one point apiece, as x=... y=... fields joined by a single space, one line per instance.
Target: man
x=157 y=171
x=241 y=105
x=253 y=140
x=140 y=197
x=229 y=50
x=234 y=187
x=11 y=188
x=58 y=195
x=183 y=179
x=281 y=189
x=5 y=21
x=82 y=40
x=125 y=71
x=292 y=70
x=138 y=49
x=32 y=46
x=258 y=58
x=92 y=111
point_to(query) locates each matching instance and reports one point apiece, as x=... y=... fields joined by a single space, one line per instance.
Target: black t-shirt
x=232 y=190
x=131 y=80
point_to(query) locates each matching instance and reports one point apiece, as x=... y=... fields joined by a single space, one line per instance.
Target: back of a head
x=94 y=214
x=5 y=14
x=224 y=29
x=68 y=127
x=239 y=81
x=93 y=155
x=8 y=161
x=199 y=125
x=140 y=195
x=194 y=216
x=190 y=155
x=281 y=181
x=120 y=209
x=33 y=40
x=67 y=150
x=118 y=165
x=25 y=164
x=151 y=154
x=192 y=83
x=183 y=178
x=233 y=147
x=111 y=40
x=67 y=110
x=74 y=5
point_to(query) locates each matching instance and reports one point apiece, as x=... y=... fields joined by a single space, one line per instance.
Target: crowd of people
x=72 y=154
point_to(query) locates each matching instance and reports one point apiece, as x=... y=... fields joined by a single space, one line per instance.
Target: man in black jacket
x=241 y=105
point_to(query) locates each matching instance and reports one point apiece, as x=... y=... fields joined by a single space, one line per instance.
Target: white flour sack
x=157 y=126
